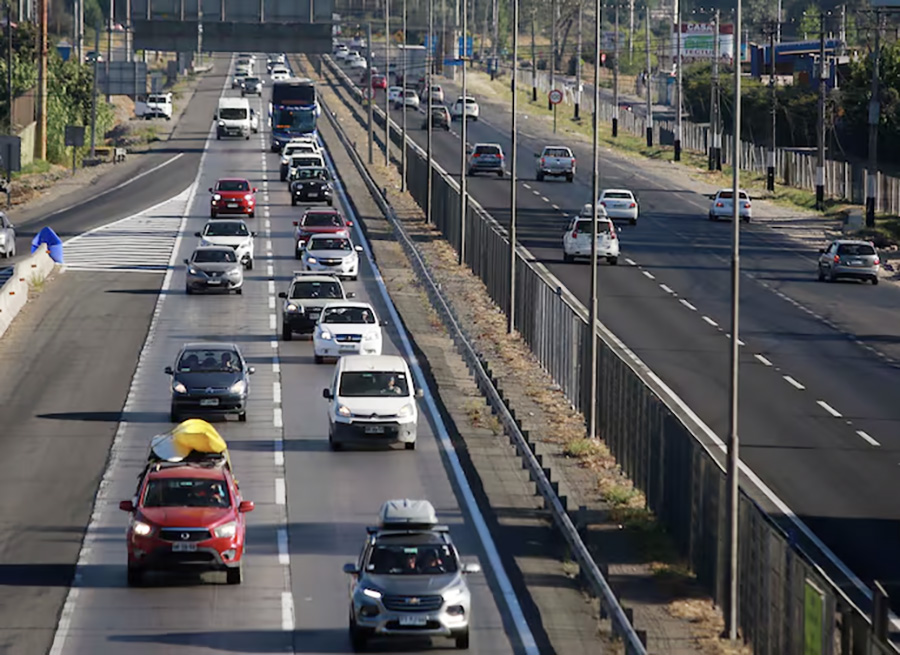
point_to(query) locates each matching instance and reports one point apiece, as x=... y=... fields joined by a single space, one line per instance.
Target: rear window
x=233 y=185
x=855 y=249
x=728 y=195
x=322 y=220
x=557 y=152
x=487 y=150
x=585 y=226
x=157 y=99
x=622 y=195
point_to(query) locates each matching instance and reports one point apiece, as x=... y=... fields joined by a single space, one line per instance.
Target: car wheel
x=239 y=291
x=353 y=278
x=821 y=274
x=712 y=217
x=319 y=359
x=832 y=277
x=249 y=265
x=334 y=445
x=746 y=219
x=286 y=333
x=235 y=575
x=632 y=221
x=174 y=416
x=331 y=203
x=462 y=640
x=135 y=576
x=252 y=214
x=612 y=260
x=283 y=177
x=188 y=291
x=874 y=280
x=570 y=177
x=357 y=639
x=247 y=138
x=475 y=118
x=499 y=173
x=293 y=202
x=242 y=417
x=410 y=445
x=218 y=137
x=212 y=213
x=567 y=258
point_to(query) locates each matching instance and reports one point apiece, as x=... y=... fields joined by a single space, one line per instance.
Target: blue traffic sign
x=469 y=46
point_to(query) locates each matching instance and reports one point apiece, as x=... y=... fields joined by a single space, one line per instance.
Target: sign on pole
x=74 y=138
x=556 y=96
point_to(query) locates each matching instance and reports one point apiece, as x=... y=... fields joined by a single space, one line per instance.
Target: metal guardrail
x=787 y=575
x=591 y=573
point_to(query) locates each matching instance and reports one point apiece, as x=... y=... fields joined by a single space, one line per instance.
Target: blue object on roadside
x=54 y=244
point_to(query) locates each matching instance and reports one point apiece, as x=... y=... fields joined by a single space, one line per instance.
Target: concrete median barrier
x=29 y=272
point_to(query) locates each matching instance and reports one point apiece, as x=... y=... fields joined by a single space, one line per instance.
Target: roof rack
x=318 y=273
x=412 y=528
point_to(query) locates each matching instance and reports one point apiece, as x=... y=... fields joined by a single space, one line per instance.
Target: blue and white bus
x=293 y=111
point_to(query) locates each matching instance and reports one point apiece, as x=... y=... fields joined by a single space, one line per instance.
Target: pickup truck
x=555 y=161
x=157 y=105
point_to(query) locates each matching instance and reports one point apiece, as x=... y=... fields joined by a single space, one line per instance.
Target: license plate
x=856 y=262
x=374 y=429
x=232 y=205
x=214 y=281
x=209 y=402
x=313 y=194
x=184 y=548
x=347 y=348
x=414 y=620
x=314 y=315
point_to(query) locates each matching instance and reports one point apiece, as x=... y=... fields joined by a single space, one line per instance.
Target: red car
x=232 y=196
x=187 y=516
x=319 y=221
x=379 y=82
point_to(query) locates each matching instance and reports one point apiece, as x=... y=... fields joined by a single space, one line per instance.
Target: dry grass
x=707 y=626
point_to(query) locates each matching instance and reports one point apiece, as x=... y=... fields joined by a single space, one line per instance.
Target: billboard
x=698 y=41
x=122 y=78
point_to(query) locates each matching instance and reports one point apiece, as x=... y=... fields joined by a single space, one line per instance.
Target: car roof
x=372 y=363
x=321 y=236
x=213 y=249
x=233 y=179
x=209 y=345
x=223 y=221
x=615 y=191
x=493 y=145
x=352 y=303
x=322 y=210
x=853 y=242
x=306 y=276
x=188 y=469
x=562 y=147
x=730 y=190
x=412 y=537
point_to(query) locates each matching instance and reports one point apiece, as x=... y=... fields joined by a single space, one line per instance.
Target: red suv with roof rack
x=232 y=196
x=319 y=221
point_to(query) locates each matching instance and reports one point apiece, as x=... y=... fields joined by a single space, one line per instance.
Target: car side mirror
x=210 y=189
x=296 y=222
x=168 y=371
x=326 y=394
x=282 y=294
x=351 y=294
x=246 y=506
x=350 y=569
x=251 y=370
x=359 y=248
x=821 y=251
x=469 y=150
x=349 y=223
x=536 y=155
x=420 y=393
x=254 y=189
x=197 y=234
x=126 y=505
x=254 y=234
x=472 y=568
x=186 y=261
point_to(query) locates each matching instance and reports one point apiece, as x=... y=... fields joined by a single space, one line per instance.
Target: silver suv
x=310 y=292
x=849 y=258
x=409 y=580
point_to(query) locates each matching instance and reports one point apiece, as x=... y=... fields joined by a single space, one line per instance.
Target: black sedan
x=209 y=379
x=312 y=184
x=440 y=118
x=251 y=86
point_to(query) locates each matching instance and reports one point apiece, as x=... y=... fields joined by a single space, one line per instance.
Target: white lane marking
x=687 y=304
x=280 y=492
x=283 y=557
x=666 y=288
x=545 y=198
x=268 y=225
x=763 y=360
x=536 y=192
x=828 y=408
x=268 y=246
x=271 y=287
x=710 y=321
x=526 y=185
x=556 y=207
x=791 y=381
x=648 y=275
x=630 y=261
x=507 y=592
x=270 y=270
x=274 y=344
x=276 y=365
x=867 y=438
x=278 y=453
x=271 y=302
x=287 y=611
x=272 y=320
x=276 y=393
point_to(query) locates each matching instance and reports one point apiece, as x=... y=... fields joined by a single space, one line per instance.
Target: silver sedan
x=214 y=268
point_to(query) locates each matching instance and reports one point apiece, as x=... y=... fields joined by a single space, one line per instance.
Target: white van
x=372 y=402
x=233 y=118
x=157 y=105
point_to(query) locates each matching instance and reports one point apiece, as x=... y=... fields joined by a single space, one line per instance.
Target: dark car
x=440 y=118
x=312 y=184
x=486 y=158
x=251 y=86
x=209 y=379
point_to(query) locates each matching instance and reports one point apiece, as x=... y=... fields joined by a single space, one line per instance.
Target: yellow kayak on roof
x=194 y=436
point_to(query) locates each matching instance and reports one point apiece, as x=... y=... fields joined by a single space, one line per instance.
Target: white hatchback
x=577 y=239
x=471 y=108
x=327 y=253
x=394 y=93
x=723 y=208
x=620 y=204
x=347 y=328
x=233 y=233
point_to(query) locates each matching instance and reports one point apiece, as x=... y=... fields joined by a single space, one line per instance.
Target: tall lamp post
x=463 y=188
x=513 y=174
x=595 y=224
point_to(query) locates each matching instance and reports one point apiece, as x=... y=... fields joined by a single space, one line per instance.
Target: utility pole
x=463 y=181
x=733 y=465
x=843 y=34
x=595 y=225
x=405 y=63
x=371 y=94
x=615 y=121
x=779 y=17
x=678 y=102
x=387 y=79
x=495 y=51
x=94 y=92
x=630 y=31
x=513 y=177
x=429 y=57
x=550 y=105
x=9 y=95
x=533 y=60
x=820 y=150
x=579 y=81
x=874 y=118
x=716 y=145
x=770 y=164
x=649 y=77
x=41 y=130
x=109 y=33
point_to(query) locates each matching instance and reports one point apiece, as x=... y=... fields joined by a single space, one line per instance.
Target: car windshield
x=233 y=185
x=623 y=195
x=214 y=256
x=301 y=119
x=157 y=99
x=373 y=384
x=348 y=315
x=585 y=227
x=330 y=244
x=309 y=289
x=227 y=229
x=728 y=195
x=299 y=149
x=305 y=162
x=391 y=559
x=252 y=80
x=557 y=152
x=322 y=220
x=210 y=360
x=186 y=492
x=487 y=150
x=410 y=94
x=855 y=249
x=312 y=174
x=233 y=113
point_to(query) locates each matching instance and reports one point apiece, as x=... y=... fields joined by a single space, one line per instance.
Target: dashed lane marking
x=865 y=436
x=791 y=381
x=666 y=288
x=630 y=261
x=280 y=492
x=828 y=408
x=687 y=304
x=649 y=275
x=763 y=360
x=710 y=321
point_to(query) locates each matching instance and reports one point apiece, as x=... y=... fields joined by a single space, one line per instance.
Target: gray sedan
x=849 y=259
x=214 y=268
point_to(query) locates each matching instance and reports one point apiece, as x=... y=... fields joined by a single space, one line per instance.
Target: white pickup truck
x=555 y=161
x=157 y=105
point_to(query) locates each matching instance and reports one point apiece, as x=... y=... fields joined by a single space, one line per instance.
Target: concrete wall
x=27 y=148
x=14 y=294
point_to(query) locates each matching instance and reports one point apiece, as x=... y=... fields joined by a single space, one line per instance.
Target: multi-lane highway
x=818 y=417
x=312 y=504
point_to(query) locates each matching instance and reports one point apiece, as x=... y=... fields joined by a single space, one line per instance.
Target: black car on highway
x=209 y=378
x=311 y=184
x=440 y=118
x=251 y=86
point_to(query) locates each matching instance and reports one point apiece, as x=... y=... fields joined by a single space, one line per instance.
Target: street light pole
x=533 y=59
x=820 y=150
x=463 y=186
x=405 y=69
x=429 y=57
x=874 y=116
x=9 y=95
x=595 y=224
x=94 y=91
x=513 y=175
x=733 y=470
x=615 y=121
x=387 y=80
x=678 y=101
x=578 y=72
x=770 y=164
x=714 y=99
x=649 y=77
x=371 y=95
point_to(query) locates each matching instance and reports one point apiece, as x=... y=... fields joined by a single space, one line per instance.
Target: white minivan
x=373 y=402
x=157 y=105
x=233 y=118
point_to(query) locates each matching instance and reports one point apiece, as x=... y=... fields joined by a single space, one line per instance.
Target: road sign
x=75 y=135
x=556 y=96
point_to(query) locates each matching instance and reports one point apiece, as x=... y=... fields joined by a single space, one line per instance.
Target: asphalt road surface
x=818 y=413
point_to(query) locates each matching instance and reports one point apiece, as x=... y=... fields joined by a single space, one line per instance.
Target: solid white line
x=687 y=304
x=279 y=452
x=791 y=381
x=867 y=438
x=649 y=275
x=287 y=611
x=710 y=321
x=828 y=408
x=506 y=590
x=280 y=492
x=283 y=557
x=277 y=417
x=763 y=360
x=276 y=393
x=665 y=288
x=272 y=321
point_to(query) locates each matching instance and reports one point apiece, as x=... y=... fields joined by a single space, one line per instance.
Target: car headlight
x=178 y=387
x=226 y=530
x=325 y=334
x=372 y=336
x=238 y=387
x=311 y=260
x=221 y=123
x=291 y=307
x=406 y=410
x=453 y=595
x=249 y=196
x=371 y=593
x=234 y=272
x=204 y=242
x=217 y=196
x=192 y=270
x=141 y=529
x=343 y=410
